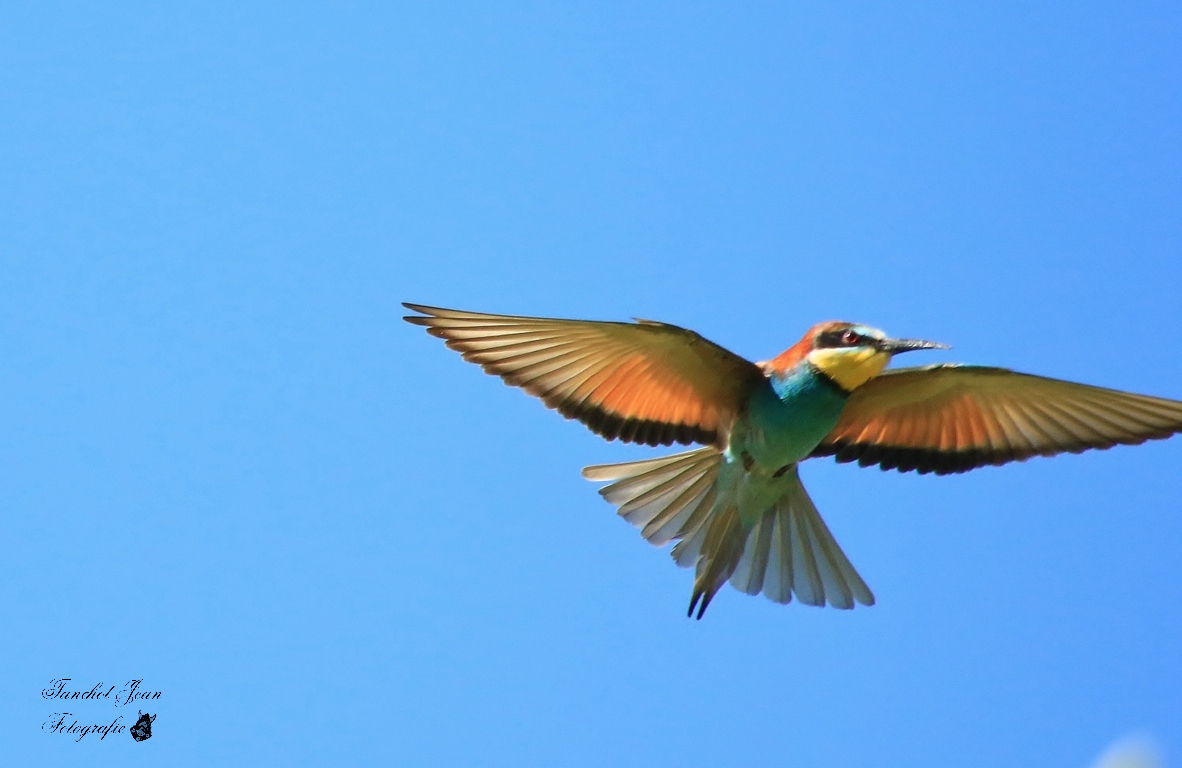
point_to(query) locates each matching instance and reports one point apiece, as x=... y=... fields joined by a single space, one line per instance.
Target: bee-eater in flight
x=736 y=507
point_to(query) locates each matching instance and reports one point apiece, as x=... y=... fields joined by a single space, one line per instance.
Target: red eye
x=849 y=337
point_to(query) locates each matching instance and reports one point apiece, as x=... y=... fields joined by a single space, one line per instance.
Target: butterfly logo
x=143 y=727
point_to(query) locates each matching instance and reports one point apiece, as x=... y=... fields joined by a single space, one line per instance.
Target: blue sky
x=229 y=469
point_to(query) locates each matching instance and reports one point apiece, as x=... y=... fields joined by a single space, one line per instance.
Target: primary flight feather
x=736 y=507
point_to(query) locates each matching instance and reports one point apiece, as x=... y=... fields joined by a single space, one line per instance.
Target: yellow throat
x=850 y=367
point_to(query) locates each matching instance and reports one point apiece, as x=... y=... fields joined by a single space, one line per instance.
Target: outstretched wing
x=643 y=382
x=952 y=418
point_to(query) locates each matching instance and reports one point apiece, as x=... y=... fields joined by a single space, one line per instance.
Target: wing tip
x=426 y=313
x=598 y=473
x=943 y=463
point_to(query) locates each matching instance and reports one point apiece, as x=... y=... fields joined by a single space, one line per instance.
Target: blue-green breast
x=788 y=419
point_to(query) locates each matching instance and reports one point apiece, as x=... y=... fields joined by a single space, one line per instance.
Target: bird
x=735 y=508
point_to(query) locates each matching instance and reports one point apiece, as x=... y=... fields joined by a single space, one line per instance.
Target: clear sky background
x=228 y=468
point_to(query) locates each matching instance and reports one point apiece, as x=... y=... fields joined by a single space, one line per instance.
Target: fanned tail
x=788 y=551
x=791 y=551
x=667 y=498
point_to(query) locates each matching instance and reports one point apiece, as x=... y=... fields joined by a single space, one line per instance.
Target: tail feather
x=693 y=534
x=751 y=570
x=789 y=551
x=669 y=523
x=662 y=510
x=659 y=495
x=721 y=551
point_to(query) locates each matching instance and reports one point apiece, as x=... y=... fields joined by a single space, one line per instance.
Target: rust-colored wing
x=642 y=382
x=952 y=418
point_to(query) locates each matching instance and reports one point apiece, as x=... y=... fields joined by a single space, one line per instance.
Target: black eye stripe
x=837 y=339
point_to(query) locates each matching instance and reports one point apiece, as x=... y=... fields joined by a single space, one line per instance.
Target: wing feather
x=642 y=382
x=952 y=418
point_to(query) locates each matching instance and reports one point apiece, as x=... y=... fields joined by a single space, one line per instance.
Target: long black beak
x=896 y=346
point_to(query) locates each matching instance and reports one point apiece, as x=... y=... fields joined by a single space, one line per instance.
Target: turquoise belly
x=787 y=420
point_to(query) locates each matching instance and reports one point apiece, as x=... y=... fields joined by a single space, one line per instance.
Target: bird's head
x=848 y=353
